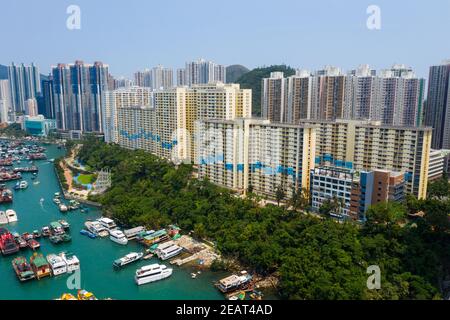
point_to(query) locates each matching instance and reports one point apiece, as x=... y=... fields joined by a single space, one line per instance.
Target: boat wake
x=41 y=202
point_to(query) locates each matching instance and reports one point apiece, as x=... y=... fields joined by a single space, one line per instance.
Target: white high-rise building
x=31 y=108
x=256 y=155
x=171 y=132
x=25 y=83
x=122 y=98
x=273 y=103
x=202 y=72
x=162 y=78
x=394 y=96
x=157 y=78
x=143 y=78
x=5 y=101
x=181 y=77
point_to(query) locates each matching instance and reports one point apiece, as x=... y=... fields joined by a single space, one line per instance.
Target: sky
x=135 y=34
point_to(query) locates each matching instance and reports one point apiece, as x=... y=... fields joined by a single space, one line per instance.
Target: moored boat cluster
x=40 y=267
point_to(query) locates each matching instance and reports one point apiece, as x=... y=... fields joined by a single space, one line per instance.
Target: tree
x=300 y=199
x=439 y=189
x=314 y=258
x=280 y=194
x=332 y=206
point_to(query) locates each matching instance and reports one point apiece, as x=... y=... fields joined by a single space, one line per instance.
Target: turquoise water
x=96 y=255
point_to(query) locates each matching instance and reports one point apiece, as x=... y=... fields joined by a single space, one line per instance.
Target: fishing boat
x=55 y=239
x=36 y=234
x=67 y=296
x=86 y=295
x=37 y=156
x=85 y=232
x=26 y=236
x=3 y=218
x=33 y=244
x=6 y=196
x=118 y=237
x=234 y=282
x=96 y=228
x=65 y=225
x=65 y=237
x=63 y=207
x=21 y=242
x=6 y=176
x=57 y=264
x=8 y=244
x=131 y=234
x=148 y=256
x=40 y=266
x=71 y=261
x=46 y=231
x=11 y=215
x=57 y=201
x=23 y=269
x=129 y=258
x=73 y=204
x=152 y=273
x=56 y=228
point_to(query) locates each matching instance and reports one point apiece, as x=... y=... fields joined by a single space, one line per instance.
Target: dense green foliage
x=439 y=189
x=234 y=72
x=60 y=174
x=252 y=80
x=13 y=130
x=314 y=258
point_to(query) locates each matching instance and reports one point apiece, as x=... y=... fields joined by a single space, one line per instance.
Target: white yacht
x=11 y=215
x=129 y=258
x=108 y=223
x=96 y=228
x=170 y=252
x=71 y=261
x=3 y=218
x=151 y=273
x=57 y=263
x=118 y=236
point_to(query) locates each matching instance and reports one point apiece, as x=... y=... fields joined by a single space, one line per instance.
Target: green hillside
x=234 y=72
x=252 y=80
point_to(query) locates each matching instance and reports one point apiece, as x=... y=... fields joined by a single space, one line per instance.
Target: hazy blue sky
x=134 y=34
